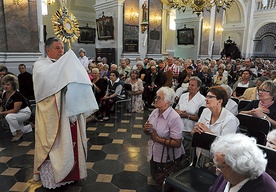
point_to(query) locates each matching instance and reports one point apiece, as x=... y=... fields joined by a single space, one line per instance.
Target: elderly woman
x=187 y=107
x=164 y=126
x=114 y=92
x=99 y=84
x=220 y=79
x=265 y=107
x=137 y=91
x=241 y=167
x=141 y=70
x=231 y=105
x=215 y=119
x=15 y=108
x=271 y=139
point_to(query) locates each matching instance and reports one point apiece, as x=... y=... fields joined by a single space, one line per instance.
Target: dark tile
x=129 y=180
x=95 y=155
x=120 y=135
x=3 y=167
x=21 y=161
x=133 y=158
x=100 y=187
x=114 y=149
x=100 y=140
x=145 y=169
x=6 y=182
x=13 y=151
x=108 y=167
x=24 y=174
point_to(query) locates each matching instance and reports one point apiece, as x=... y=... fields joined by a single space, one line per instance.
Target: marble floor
x=117 y=158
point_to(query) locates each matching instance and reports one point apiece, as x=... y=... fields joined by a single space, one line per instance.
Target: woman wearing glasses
x=215 y=119
x=265 y=107
x=164 y=126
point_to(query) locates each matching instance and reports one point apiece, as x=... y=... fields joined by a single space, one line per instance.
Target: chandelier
x=198 y=6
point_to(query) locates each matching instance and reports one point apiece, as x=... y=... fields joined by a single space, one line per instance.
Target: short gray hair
x=82 y=50
x=198 y=81
x=169 y=94
x=241 y=153
x=228 y=90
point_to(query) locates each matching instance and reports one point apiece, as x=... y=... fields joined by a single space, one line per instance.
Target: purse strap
x=168 y=155
x=163 y=150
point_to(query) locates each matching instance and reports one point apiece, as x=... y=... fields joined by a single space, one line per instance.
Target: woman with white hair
x=83 y=59
x=241 y=166
x=271 y=139
x=164 y=126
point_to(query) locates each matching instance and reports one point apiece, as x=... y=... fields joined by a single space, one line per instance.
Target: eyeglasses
x=210 y=96
x=263 y=90
x=158 y=98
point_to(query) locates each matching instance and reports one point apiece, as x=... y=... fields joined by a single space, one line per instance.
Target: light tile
x=20 y=186
x=127 y=190
x=112 y=156
x=103 y=135
x=4 y=159
x=122 y=130
x=25 y=144
x=104 y=178
x=117 y=141
x=134 y=149
x=139 y=118
x=31 y=152
x=89 y=165
x=91 y=128
x=10 y=171
x=125 y=121
x=137 y=126
x=109 y=125
x=136 y=136
x=131 y=168
x=127 y=114
x=1 y=149
x=96 y=147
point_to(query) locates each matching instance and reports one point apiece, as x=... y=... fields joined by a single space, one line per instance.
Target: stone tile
x=103 y=135
x=125 y=121
x=136 y=136
x=139 y=118
x=131 y=168
x=127 y=190
x=117 y=141
x=89 y=165
x=25 y=144
x=1 y=149
x=31 y=152
x=4 y=159
x=10 y=171
x=112 y=156
x=151 y=181
x=91 y=128
x=122 y=130
x=20 y=186
x=134 y=149
x=137 y=126
x=96 y=147
x=106 y=178
x=109 y=125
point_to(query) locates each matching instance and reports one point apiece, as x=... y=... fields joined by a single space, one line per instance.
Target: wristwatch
x=265 y=117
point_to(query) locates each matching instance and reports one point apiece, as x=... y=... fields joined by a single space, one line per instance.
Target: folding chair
x=271 y=159
x=254 y=127
x=126 y=103
x=200 y=110
x=192 y=178
x=235 y=99
x=242 y=104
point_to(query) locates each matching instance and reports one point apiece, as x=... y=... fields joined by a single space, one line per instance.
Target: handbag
x=170 y=167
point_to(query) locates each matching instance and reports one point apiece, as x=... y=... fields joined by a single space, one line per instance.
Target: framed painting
x=87 y=35
x=185 y=36
x=105 y=29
